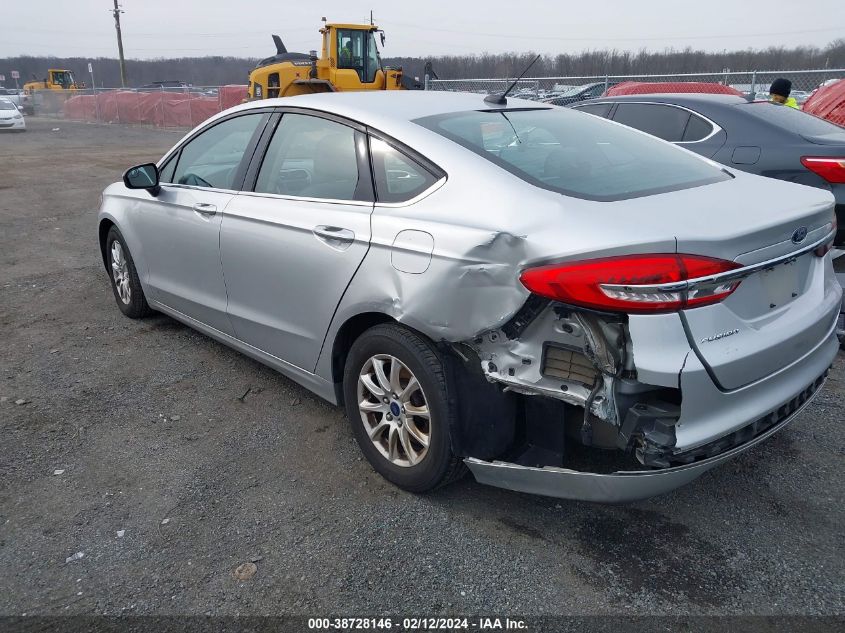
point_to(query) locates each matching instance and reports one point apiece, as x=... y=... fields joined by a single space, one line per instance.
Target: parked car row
x=502 y=285
x=11 y=118
x=22 y=100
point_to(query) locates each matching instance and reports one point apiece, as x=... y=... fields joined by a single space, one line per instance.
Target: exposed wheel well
x=346 y=335
x=104 y=228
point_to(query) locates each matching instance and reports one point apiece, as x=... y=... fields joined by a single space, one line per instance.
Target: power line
x=615 y=39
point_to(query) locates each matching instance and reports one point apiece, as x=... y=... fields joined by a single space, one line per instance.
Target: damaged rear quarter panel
x=484 y=235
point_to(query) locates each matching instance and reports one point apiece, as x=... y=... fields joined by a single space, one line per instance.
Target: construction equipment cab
x=57 y=79
x=349 y=61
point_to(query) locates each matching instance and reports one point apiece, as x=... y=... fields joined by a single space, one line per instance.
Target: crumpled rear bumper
x=618 y=487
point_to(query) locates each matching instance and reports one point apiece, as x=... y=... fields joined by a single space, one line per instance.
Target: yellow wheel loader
x=57 y=79
x=349 y=61
x=49 y=94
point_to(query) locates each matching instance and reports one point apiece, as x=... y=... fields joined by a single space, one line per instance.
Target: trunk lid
x=832 y=138
x=777 y=314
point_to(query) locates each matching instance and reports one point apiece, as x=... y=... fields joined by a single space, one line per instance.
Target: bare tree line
x=214 y=71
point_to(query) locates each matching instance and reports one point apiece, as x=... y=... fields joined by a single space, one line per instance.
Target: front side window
x=373 y=62
x=398 y=177
x=662 y=121
x=350 y=50
x=211 y=159
x=357 y=50
x=583 y=157
x=165 y=174
x=310 y=157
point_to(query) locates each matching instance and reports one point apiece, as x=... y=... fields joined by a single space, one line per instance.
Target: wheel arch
x=486 y=419
x=103 y=229
x=346 y=335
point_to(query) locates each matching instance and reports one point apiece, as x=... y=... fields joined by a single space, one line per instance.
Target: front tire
x=397 y=399
x=124 y=278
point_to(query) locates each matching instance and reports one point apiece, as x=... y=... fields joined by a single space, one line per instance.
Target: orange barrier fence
x=161 y=108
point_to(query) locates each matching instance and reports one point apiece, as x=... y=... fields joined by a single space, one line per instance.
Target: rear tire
x=124 y=278
x=397 y=400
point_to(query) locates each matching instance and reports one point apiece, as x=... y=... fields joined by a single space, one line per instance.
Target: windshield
x=574 y=153
x=7 y=105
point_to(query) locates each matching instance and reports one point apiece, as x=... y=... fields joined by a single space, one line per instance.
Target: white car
x=10 y=117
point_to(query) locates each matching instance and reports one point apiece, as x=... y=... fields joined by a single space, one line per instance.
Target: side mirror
x=142 y=177
x=381 y=33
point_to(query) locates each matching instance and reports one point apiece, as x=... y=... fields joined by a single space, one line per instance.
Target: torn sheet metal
x=618 y=487
x=520 y=363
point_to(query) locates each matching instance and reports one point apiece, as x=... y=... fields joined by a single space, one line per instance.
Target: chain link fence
x=752 y=83
x=184 y=107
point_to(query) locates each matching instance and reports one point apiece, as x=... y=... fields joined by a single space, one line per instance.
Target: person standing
x=779 y=93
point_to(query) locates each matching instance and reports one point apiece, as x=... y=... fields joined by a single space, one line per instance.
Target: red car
x=828 y=102
x=666 y=87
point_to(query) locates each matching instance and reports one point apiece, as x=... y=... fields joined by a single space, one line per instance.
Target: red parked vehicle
x=665 y=87
x=828 y=102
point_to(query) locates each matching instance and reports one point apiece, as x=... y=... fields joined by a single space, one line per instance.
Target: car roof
x=677 y=97
x=377 y=106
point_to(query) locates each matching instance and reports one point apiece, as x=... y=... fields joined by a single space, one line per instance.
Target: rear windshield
x=791 y=119
x=574 y=153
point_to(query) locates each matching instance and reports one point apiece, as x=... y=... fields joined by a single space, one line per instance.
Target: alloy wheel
x=120 y=272
x=394 y=410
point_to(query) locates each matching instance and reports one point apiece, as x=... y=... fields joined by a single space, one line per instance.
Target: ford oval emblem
x=799 y=235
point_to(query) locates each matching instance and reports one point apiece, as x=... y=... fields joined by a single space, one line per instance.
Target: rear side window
x=310 y=157
x=211 y=158
x=661 y=121
x=398 y=176
x=697 y=129
x=580 y=156
x=598 y=109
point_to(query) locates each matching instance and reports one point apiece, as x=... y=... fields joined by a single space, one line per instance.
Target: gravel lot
x=137 y=447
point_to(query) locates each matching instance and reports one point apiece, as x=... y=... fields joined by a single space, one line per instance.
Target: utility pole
x=116 y=12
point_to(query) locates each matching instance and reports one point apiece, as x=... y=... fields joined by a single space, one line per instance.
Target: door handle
x=335 y=236
x=205 y=208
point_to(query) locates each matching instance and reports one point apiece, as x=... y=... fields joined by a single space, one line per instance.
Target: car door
x=291 y=245
x=180 y=228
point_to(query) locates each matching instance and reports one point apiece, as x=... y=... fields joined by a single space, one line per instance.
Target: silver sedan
x=559 y=303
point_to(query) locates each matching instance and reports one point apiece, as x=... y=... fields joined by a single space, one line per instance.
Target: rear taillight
x=825 y=248
x=634 y=283
x=831 y=169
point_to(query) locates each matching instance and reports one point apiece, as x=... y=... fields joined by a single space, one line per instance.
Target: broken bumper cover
x=618 y=487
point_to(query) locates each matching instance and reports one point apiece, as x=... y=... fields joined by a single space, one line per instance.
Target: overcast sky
x=168 y=28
